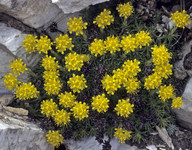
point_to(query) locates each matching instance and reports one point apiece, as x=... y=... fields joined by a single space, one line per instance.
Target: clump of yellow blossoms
x=54 y=138
x=29 y=43
x=18 y=67
x=74 y=61
x=164 y=71
x=143 y=39
x=104 y=19
x=100 y=103
x=166 y=92
x=128 y=43
x=125 y=10
x=50 y=75
x=124 y=108
x=122 y=134
x=43 y=45
x=67 y=100
x=119 y=76
x=76 y=25
x=26 y=91
x=80 y=110
x=10 y=81
x=49 y=108
x=49 y=63
x=77 y=83
x=97 y=47
x=177 y=102
x=181 y=19
x=153 y=81
x=112 y=44
x=61 y=117
x=63 y=42
x=53 y=86
x=131 y=85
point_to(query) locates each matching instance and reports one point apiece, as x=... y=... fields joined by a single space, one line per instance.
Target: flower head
x=26 y=91
x=43 y=45
x=63 y=42
x=61 y=117
x=49 y=63
x=181 y=19
x=153 y=81
x=112 y=44
x=67 y=100
x=124 y=108
x=131 y=85
x=50 y=75
x=76 y=25
x=18 y=67
x=104 y=19
x=164 y=70
x=80 y=110
x=52 y=86
x=177 y=102
x=29 y=43
x=100 y=103
x=54 y=138
x=119 y=76
x=97 y=47
x=77 y=83
x=128 y=43
x=166 y=92
x=143 y=39
x=122 y=134
x=49 y=108
x=125 y=10
x=10 y=81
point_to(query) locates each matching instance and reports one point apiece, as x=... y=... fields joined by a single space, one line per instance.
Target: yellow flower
x=18 y=67
x=164 y=71
x=177 y=102
x=153 y=81
x=112 y=44
x=80 y=110
x=124 y=108
x=74 y=61
x=53 y=86
x=49 y=63
x=143 y=39
x=63 y=42
x=29 y=43
x=54 y=138
x=26 y=91
x=76 y=25
x=119 y=75
x=125 y=10
x=43 y=45
x=128 y=43
x=49 y=108
x=181 y=19
x=97 y=47
x=104 y=19
x=166 y=92
x=77 y=83
x=122 y=134
x=100 y=103
x=67 y=100
x=160 y=55
x=50 y=75
x=131 y=85
x=10 y=81
x=61 y=117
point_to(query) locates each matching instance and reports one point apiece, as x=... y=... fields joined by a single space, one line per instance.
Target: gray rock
x=17 y=111
x=17 y=134
x=6 y=99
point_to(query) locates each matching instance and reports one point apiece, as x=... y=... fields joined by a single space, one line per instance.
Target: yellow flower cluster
x=74 y=61
x=166 y=92
x=63 y=42
x=26 y=91
x=29 y=43
x=122 y=134
x=142 y=39
x=54 y=138
x=52 y=86
x=97 y=47
x=177 y=102
x=67 y=100
x=181 y=19
x=125 y=10
x=76 y=25
x=124 y=108
x=49 y=108
x=131 y=85
x=49 y=63
x=18 y=67
x=164 y=71
x=153 y=81
x=10 y=81
x=77 y=83
x=128 y=43
x=43 y=45
x=104 y=19
x=100 y=103
x=112 y=44
x=80 y=110
x=61 y=117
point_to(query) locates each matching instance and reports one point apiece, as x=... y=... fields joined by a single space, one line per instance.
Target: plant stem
x=31 y=73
